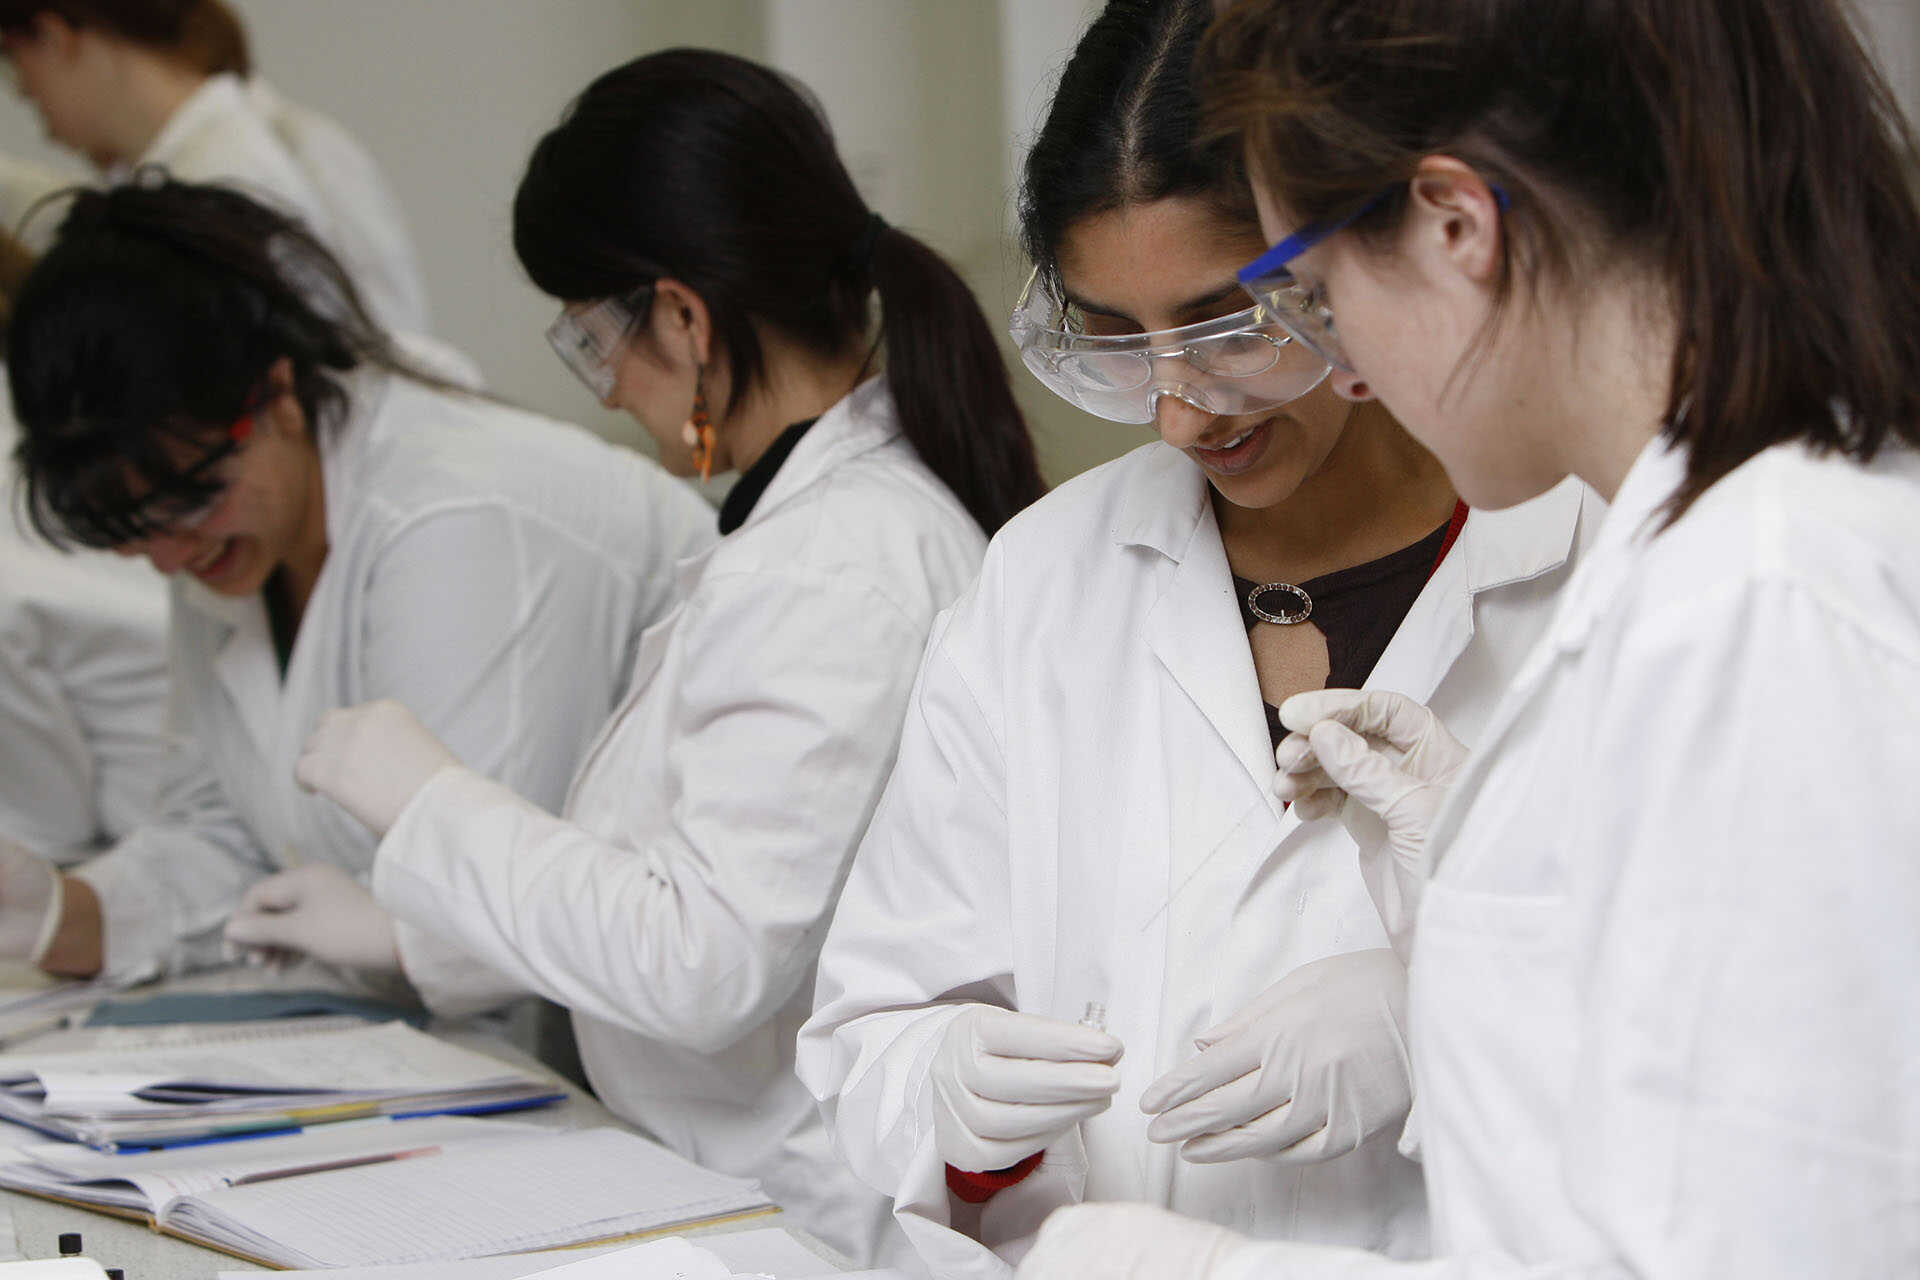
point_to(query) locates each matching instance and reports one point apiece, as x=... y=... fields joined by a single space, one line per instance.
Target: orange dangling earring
x=698 y=433
x=699 y=430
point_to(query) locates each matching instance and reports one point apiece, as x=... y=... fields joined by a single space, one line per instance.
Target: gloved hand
x=1315 y=1066
x=371 y=760
x=1383 y=762
x=32 y=894
x=320 y=911
x=1006 y=1084
x=1128 y=1242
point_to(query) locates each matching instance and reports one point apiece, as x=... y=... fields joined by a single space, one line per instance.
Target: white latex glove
x=32 y=895
x=1315 y=1066
x=1006 y=1084
x=371 y=760
x=1128 y=1242
x=320 y=911
x=1383 y=762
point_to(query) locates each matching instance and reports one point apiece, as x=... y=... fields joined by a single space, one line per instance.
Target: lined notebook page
x=531 y=1193
x=389 y=1056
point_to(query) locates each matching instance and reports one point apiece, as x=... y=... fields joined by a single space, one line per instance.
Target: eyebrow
x=1191 y=305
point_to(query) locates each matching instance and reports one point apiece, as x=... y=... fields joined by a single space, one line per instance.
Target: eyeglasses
x=1304 y=312
x=589 y=338
x=169 y=515
x=1231 y=365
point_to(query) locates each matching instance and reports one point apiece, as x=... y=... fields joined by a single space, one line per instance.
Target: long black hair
x=1123 y=128
x=719 y=173
x=148 y=329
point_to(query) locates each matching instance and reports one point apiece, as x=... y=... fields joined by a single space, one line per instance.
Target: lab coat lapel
x=1195 y=631
x=243 y=660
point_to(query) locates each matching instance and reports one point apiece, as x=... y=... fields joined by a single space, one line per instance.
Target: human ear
x=678 y=309
x=1453 y=220
x=1350 y=386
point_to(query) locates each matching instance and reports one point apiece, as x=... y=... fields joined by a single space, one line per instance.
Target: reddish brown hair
x=1748 y=150
x=204 y=34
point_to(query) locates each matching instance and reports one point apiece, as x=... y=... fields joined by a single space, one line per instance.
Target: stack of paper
x=235 y=1079
x=473 y=1199
x=148 y=1184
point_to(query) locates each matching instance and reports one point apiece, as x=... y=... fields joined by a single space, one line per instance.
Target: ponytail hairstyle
x=1123 y=129
x=1747 y=151
x=722 y=174
x=148 y=329
x=204 y=35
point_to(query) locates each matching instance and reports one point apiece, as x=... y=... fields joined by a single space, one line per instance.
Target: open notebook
x=148 y=1184
x=165 y=1086
x=539 y=1191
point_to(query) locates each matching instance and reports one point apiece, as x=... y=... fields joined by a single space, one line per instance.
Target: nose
x=1180 y=424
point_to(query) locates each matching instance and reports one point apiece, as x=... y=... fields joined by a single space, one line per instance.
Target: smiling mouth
x=202 y=565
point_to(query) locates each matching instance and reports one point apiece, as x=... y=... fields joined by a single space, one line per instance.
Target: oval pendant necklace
x=1285 y=604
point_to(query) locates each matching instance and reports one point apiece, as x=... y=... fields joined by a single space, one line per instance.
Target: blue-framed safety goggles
x=1303 y=312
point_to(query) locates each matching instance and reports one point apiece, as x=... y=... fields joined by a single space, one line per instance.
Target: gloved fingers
x=265 y=929
x=1234 y=1103
x=1394 y=718
x=1204 y=1072
x=1017 y=1121
x=1275 y=1136
x=1022 y=1080
x=1004 y=1033
x=1324 y=803
x=281 y=892
x=1364 y=773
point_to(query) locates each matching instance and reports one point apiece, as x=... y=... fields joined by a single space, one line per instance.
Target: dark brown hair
x=720 y=173
x=1123 y=126
x=1747 y=150
x=203 y=34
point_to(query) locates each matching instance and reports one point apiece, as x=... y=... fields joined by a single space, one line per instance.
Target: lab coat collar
x=1495 y=549
x=1632 y=520
x=218 y=96
x=1164 y=500
x=860 y=422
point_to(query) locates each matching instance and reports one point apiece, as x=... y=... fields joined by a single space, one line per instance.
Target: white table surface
x=146 y=1254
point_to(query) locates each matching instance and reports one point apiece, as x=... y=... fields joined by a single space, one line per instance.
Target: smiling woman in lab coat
x=1663 y=1012
x=170 y=82
x=1081 y=813
x=196 y=383
x=716 y=265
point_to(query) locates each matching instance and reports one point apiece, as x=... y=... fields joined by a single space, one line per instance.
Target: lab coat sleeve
x=167 y=890
x=923 y=927
x=776 y=739
x=497 y=639
x=1745 y=1101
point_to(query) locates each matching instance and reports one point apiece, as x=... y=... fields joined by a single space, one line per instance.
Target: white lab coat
x=295 y=159
x=1663 y=1010
x=678 y=907
x=1087 y=740
x=83 y=685
x=490 y=569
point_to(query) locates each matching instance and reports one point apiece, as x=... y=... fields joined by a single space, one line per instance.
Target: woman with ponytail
x=171 y=83
x=718 y=276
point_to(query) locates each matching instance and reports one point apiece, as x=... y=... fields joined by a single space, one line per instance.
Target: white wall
x=1892 y=31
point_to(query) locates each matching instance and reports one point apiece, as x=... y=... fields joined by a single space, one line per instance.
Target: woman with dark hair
x=197 y=383
x=171 y=83
x=1082 y=813
x=718 y=272
x=1663 y=1017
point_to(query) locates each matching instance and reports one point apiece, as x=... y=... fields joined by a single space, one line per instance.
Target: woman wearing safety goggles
x=1078 y=867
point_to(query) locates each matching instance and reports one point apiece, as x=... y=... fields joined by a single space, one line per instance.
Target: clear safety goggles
x=589 y=338
x=1228 y=366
